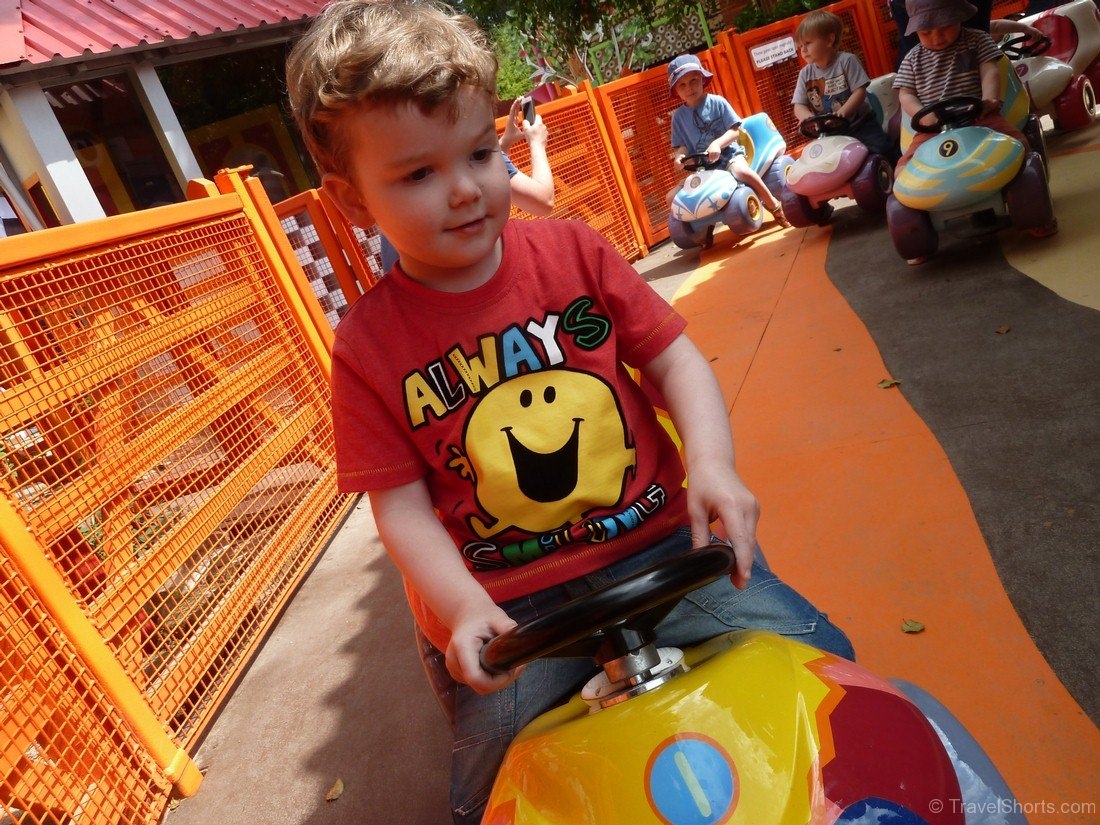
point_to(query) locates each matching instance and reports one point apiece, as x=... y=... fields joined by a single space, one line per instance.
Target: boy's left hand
x=717 y=493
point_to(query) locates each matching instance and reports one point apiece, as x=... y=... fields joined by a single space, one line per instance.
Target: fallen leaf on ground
x=1001 y=330
x=335 y=791
x=911 y=626
x=886 y=383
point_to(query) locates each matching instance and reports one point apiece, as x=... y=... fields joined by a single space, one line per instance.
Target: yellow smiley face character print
x=544 y=449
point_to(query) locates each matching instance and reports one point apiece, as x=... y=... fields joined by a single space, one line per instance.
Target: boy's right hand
x=535 y=133
x=468 y=637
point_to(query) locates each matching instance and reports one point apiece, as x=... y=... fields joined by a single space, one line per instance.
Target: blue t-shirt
x=696 y=128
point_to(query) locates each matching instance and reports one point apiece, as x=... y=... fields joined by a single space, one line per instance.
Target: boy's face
x=437 y=189
x=818 y=49
x=690 y=88
x=939 y=39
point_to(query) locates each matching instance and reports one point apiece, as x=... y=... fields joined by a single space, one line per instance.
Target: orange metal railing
x=168 y=477
x=66 y=750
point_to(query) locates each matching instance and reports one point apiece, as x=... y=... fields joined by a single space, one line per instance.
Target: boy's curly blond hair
x=362 y=53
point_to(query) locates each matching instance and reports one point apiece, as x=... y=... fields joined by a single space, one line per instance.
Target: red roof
x=38 y=31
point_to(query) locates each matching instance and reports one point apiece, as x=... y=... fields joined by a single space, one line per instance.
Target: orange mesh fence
x=588 y=184
x=767 y=62
x=165 y=439
x=66 y=754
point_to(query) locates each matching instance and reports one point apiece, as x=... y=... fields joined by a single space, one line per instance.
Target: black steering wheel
x=1024 y=45
x=603 y=622
x=949 y=112
x=695 y=161
x=823 y=125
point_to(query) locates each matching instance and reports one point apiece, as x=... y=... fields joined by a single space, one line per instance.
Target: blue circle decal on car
x=691 y=781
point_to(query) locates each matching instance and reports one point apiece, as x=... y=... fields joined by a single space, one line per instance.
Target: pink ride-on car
x=837 y=165
x=834 y=165
x=1074 y=32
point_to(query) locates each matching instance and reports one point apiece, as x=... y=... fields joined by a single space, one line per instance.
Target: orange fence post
x=637 y=110
x=612 y=138
x=30 y=559
x=281 y=259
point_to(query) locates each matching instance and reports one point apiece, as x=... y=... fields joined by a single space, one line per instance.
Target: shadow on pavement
x=336 y=692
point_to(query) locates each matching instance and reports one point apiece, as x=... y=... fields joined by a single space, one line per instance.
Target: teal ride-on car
x=968 y=180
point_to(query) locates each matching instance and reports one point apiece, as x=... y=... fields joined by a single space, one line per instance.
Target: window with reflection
x=115 y=143
x=232 y=109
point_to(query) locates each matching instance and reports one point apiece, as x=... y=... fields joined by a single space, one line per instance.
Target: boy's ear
x=347 y=200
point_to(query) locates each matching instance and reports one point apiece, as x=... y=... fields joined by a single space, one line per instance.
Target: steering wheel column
x=615 y=625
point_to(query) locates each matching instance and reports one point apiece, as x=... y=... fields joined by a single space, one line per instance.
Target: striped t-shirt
x=950 y=72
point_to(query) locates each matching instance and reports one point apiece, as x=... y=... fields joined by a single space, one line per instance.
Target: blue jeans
x=875 y=139
x=484 y=726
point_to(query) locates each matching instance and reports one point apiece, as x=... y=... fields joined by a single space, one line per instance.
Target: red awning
x=38 y=31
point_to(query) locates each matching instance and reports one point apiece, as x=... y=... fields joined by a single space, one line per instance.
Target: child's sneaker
x=1045 y=231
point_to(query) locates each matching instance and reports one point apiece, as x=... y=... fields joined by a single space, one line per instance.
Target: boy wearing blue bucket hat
x=707 y=124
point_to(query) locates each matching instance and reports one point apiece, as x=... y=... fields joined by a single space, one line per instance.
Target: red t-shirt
x=544 y=458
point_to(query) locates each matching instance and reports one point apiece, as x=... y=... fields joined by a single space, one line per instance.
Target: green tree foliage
x=514 y=77
x=567 y=26
x=762 y=12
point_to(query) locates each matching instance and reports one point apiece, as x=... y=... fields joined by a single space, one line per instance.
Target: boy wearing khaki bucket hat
x=980 y=19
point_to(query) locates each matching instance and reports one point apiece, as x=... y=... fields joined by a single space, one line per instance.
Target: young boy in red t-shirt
x=481 y=393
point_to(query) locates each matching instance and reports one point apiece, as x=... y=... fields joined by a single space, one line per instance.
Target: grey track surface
x=1006 y=374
